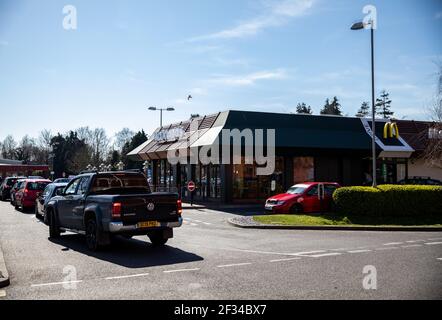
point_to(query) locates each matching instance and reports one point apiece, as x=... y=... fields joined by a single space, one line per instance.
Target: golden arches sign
x=391 y=130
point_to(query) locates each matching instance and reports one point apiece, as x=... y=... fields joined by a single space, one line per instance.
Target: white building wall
x=418 y=168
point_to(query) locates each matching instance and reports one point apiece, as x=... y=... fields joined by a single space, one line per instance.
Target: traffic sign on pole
x=191 y=186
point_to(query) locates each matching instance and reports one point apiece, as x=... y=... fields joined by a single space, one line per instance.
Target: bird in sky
x=189 y=97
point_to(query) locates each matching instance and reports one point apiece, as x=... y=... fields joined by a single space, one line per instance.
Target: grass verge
x=335 y=220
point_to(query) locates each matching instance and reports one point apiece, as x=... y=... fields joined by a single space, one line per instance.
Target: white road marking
x=2 y=293
x=268 y=252
x=193 y=224
x=234 y=265
x=359 y=251
x=432 y=243
x=435 y=239
x=207 y=223
x=414 y=241
x=440 y=259
x=281 y=260
x=386 y=248
x=55 y=283
x=306 y=253
x=325 y=255
x=128 y=276
x=392 y=243
x=412 y=246
x=181 y=270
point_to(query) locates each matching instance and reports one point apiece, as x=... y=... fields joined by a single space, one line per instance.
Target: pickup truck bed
x=100 y=205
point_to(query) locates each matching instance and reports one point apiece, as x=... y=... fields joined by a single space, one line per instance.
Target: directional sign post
x=191 y=188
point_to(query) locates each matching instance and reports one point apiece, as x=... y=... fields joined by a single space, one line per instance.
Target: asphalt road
x=210 y=259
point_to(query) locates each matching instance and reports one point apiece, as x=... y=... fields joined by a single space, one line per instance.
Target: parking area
x=210 y=259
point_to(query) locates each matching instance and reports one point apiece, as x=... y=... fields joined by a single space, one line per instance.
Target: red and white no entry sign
x=191 y=186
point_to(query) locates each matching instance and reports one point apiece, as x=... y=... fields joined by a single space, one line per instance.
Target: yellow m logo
x=391 y=130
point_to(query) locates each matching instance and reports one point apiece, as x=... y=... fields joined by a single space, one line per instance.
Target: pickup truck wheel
x=157 y=239
x=54 y=230
x=92 y=235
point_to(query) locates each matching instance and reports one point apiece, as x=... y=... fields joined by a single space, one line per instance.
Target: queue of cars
x=100 y=205
x=23 y=192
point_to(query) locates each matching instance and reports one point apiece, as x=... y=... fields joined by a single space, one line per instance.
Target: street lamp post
x=161 y=112
x=360 y=26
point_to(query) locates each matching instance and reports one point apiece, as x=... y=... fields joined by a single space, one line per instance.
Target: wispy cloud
x=277 y=14
x=249 y=79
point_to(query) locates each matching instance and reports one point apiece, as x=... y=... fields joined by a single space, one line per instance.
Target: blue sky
x=231 y=54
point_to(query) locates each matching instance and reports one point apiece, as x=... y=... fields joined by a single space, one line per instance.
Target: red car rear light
x=116 y=210
x=25 y=193
x=179 y=207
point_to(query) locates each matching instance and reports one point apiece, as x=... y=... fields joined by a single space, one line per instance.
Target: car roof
x=314 y=183
x=37 y=180
x=60 y=184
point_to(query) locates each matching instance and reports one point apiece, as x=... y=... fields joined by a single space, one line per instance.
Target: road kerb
x=257 y=225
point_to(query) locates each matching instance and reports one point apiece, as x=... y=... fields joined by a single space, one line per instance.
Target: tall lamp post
x=360 y=26
x=161 y=112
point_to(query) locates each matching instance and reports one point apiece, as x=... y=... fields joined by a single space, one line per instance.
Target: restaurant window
x=245 y=182
x=215 y=181
x=184 y=180
x=303 y=169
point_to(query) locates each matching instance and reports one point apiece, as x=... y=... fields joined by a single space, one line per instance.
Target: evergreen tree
x=333 y=108
x=383 y=105
x=364 y=110
x=138 y=139
x=302 y=108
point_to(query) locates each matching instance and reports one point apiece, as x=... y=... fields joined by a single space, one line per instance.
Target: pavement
x=211 y=259
x=4 y=275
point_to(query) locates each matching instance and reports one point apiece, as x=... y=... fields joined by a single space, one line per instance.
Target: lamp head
x=357 y=26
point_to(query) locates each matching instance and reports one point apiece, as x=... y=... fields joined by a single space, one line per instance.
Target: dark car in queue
x=51 y=190
x=17 y=185
x=63 y=180
x=424 y=181
x=5 y=188
x=25 y=197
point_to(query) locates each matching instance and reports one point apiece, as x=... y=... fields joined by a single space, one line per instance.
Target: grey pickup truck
x=100 y=205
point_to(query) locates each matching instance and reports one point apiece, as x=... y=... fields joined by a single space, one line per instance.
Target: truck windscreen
x=118 y=183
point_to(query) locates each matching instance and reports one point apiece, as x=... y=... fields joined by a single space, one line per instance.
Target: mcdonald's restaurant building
x=307 y=148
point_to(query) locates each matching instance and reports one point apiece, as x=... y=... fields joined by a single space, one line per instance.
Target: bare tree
x=433 y=150
x=122 y=137
x=45 y=138
x=8 y=148
x=25 y=150
x=99 y=145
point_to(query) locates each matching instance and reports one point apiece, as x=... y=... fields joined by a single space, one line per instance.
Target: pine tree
x=383 y=105
x=333 y=108
x=302 y=108
x=364 y=110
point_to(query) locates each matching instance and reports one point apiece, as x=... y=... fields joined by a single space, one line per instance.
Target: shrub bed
x=389 y=200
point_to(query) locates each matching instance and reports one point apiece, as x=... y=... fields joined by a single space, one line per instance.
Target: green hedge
x=389 y=200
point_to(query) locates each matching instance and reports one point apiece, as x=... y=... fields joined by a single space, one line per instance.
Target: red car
x=302 y=198
x=29 y=190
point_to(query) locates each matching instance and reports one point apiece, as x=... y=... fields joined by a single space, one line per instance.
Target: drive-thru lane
x=210 y=259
